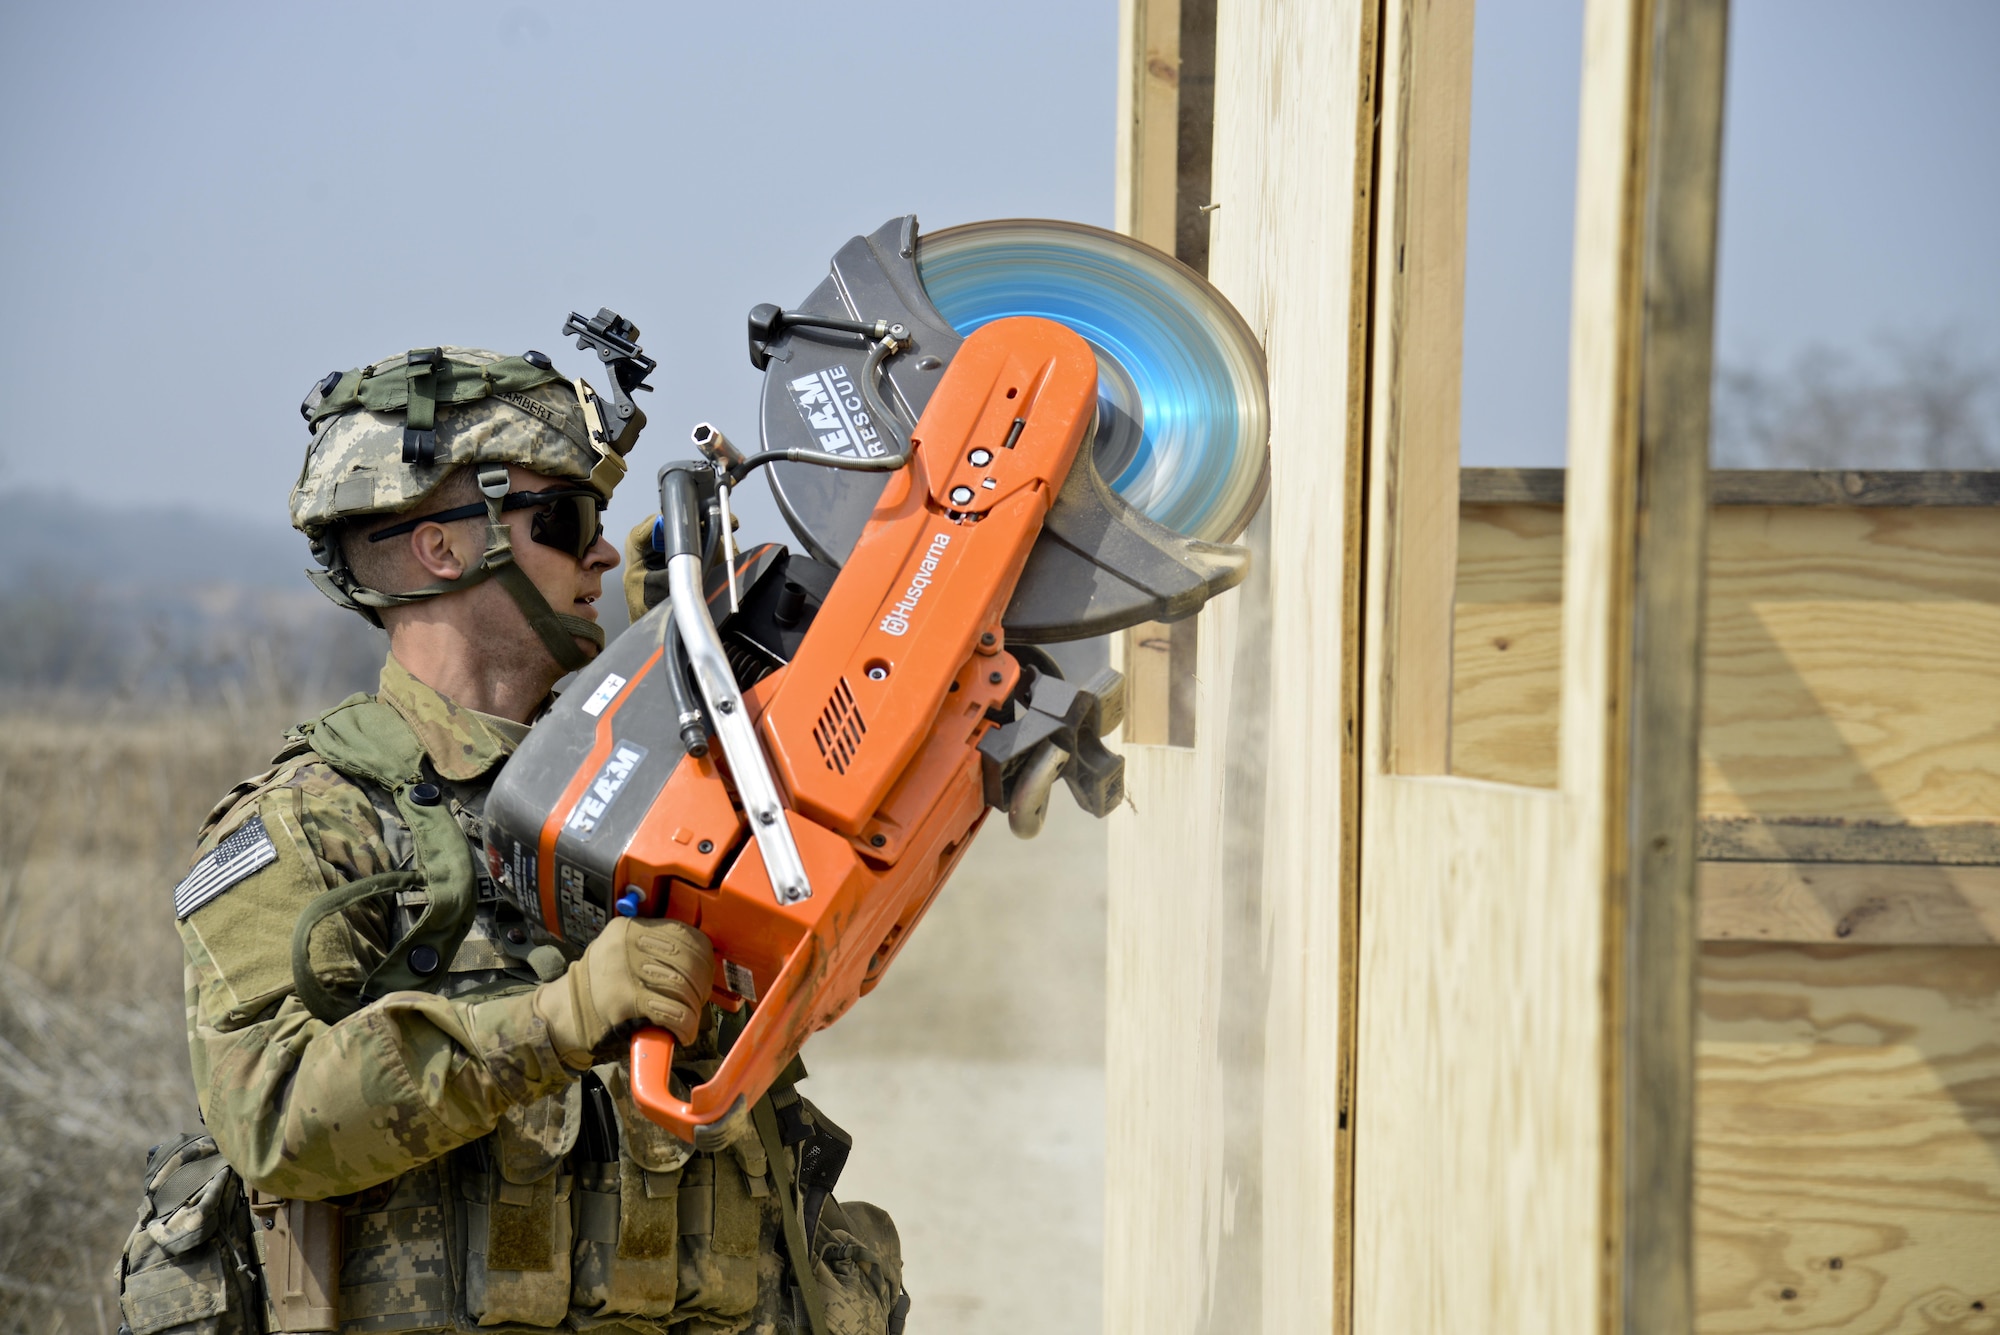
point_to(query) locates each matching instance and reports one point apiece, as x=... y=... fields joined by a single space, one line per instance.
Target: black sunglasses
x=571 y=519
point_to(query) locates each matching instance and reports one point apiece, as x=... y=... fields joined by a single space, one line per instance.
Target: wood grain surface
x=1764 y=486
x=1506 y=709
x=1853 y=659
x=1848 y=1141
x=1867 y=903
x=1226 y=1135
x=1738 y=838
x=1479 y=1162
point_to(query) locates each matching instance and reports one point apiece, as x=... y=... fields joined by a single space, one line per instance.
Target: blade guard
x=1100 y=565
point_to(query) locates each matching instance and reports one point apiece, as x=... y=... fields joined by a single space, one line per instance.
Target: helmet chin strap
x=558 y=631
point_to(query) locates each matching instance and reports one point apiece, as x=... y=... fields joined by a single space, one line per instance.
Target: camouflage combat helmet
x=384 y=437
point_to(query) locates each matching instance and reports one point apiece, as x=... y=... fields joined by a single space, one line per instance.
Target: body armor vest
x=576 y=1212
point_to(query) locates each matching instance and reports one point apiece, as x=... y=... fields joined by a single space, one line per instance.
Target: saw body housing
x=872 y=728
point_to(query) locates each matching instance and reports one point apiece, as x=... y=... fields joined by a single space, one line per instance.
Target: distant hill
x=100 y=598
x=51 y=541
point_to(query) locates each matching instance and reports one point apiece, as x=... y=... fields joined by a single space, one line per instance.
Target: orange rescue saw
x=793 y=750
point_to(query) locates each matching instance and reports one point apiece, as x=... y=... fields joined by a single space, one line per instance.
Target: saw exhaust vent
x=840 y=729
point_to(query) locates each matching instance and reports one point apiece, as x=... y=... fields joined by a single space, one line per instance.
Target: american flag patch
x=249 y=849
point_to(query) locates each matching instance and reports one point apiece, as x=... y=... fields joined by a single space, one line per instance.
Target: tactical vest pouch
x=628 y=1209
x=396 y=1269
x=187 y=1267
x=515 y=1204
x=723 y=1228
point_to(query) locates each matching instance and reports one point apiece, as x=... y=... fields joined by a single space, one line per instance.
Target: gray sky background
x=1861 y=194
x=205 y=207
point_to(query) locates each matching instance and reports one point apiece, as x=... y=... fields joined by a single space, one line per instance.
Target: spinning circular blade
x=1183 y=420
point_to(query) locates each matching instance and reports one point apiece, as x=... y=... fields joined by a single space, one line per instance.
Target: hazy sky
x=1861 y=194
x=204 y=207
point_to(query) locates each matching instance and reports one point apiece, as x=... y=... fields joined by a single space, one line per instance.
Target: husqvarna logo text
x=897 y=622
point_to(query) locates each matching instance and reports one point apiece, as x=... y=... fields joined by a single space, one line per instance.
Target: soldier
x=375 y=1025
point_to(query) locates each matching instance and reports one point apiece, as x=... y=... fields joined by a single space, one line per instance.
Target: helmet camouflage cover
x=385 y=437
x=488 y=409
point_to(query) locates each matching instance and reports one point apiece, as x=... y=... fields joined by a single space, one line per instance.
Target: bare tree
x=1926 y=401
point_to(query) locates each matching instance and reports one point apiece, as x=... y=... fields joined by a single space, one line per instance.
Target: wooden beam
x=1419 y=337
x=1842 y=839
x=1652 y=844
x=1167 y=88
x=1898 y=488
x=1148 y=159
x=1850 y=903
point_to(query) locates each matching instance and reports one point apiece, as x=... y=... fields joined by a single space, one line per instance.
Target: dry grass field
x=98 y=802
x=972 y=1081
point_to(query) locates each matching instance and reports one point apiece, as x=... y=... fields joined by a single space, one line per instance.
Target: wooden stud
x=1653 y=829
x=1227 y=1090
x=1147 y=663
x=1850 y=903
x=1149 y=114
x=1897 y=488
x=1168 y=87
x=1419 y=335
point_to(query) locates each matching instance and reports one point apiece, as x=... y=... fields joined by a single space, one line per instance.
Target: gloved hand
x=641 y=561
x=638 y=970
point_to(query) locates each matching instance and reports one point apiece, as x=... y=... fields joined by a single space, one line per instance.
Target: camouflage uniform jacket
x=484 y=1184
x=308 y=1110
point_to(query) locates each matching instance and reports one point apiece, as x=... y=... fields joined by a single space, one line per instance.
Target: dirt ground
x=972 y=1080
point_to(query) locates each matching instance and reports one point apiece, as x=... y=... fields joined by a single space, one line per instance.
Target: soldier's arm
x=305 y=1109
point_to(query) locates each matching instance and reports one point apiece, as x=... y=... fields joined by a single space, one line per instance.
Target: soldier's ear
x=439 y=551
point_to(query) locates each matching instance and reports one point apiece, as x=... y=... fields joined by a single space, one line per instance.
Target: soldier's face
x=570 y=585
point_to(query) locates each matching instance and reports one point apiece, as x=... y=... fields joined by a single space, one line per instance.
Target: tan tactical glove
x=650 y=971
x=638 y=546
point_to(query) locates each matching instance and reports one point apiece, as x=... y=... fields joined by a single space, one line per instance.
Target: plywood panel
x=1848 y=1153
x=1854 y=663
x=1507 y=644
x=1477 y=1178
x=1224 y=1085
x=1853 y=658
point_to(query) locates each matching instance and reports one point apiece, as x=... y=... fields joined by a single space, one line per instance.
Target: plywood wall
x=1853 y=662
x=1372 y=1056
x=1848 y=1091
x=1226 y=1141
x=1849 y=1152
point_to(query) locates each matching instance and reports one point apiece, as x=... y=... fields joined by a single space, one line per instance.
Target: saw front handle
x=652 y=1090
